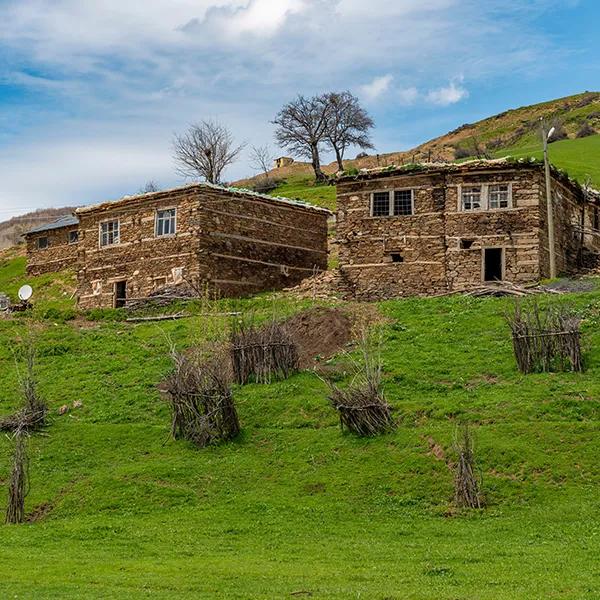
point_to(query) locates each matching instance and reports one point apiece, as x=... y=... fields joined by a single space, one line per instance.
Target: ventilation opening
x=466 y=244
x=396 y=257
x=493 y=264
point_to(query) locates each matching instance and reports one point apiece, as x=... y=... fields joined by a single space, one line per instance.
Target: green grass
x=579 y=157
x=305 y=188
x=294 y=505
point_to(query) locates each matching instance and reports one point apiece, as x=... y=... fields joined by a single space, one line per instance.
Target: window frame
x=70 y=240
x=392 y=203
x=484 y=200
x=40 y=247
x=174 y=220
x=100 y=233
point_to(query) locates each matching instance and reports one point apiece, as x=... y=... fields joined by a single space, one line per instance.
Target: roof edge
x=204 y=185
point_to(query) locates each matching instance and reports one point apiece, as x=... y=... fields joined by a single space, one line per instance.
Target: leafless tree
x=205 y=150
x=151 y=186
x=261 y=159
x=348 y=124
x=301 y=126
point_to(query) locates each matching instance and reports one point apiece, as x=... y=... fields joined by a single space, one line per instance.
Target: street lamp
x=550 y=212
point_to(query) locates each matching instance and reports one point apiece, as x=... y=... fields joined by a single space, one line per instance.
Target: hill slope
x=295 y=507
x=11 y=230
x=511 y=133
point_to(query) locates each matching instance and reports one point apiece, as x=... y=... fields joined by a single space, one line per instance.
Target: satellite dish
x=25 y=292
x=551 y=133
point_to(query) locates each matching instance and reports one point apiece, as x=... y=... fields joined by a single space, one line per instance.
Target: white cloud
x=450 y=94
x=378 y=86
x=131 y=72
x=408 y=95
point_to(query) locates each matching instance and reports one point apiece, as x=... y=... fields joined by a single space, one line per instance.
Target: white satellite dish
x=25 y=292
x=551 y=133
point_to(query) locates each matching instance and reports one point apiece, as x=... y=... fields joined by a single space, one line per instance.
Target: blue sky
x=91 y=93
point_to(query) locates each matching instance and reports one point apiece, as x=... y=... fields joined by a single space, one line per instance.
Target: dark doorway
x=120 y=293
x=492 y=266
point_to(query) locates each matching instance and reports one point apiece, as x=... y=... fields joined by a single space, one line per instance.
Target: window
x=596 y=219
x=382 y=206
x=471 y=198
x=396 y=257
x=403 y=202
x=73 y=237
x=165 y=222
x=499 y=196
x=109 y=233
x=486 y=197
x=42 y=243
x=466 y=244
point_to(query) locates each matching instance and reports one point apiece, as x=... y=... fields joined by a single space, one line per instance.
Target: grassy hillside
x=579 y=157
x=295 y=507
x=512 y=133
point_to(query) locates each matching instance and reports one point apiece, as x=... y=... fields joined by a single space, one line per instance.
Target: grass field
x=579 y=157
x=295 y=508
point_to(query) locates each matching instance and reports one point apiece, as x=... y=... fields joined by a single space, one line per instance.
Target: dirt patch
x=438 y=452
x=319 y=333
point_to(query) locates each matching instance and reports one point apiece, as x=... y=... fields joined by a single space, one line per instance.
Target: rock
x=77 y=404
x=63 y=410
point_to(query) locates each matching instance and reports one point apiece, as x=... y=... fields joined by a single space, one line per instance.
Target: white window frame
x=100 y=233
x=174 y=219
x=484 y=202
x=43 y=237
x=391 y=203
x=508 y=196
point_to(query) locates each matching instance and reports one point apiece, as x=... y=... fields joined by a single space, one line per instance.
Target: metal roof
x=67 y=221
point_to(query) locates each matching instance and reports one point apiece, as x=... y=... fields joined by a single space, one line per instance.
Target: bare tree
x=301 y=126
x=261 y=159
x=348 y=124
x=149 y=187
x=205 y=150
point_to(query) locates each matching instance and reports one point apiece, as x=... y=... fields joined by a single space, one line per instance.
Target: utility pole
x=546 y=135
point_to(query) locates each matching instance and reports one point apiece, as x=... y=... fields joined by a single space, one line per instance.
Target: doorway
x=492 y=264
x=120 y=293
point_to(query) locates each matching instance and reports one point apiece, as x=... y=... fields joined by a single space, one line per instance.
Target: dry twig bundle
x=34 y=411
x=18 y=485
x=546 y=340
x=202 y=406
x=260 y=354
x=362 y=406
x=467 y=484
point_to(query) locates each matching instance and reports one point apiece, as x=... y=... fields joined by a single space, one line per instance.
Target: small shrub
x=264 y=185
x=586 y=130
x=467 y=483
x=460 y=152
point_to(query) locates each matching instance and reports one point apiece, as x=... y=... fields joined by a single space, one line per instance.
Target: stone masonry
x=235 y=241
x=470 y=222
x=52 y=247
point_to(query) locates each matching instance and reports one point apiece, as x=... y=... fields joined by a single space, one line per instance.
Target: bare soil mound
x=319 y=334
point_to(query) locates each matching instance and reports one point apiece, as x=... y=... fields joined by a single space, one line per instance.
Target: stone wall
x=59 y=255
x=441 y=246
x=237 y=243
x=252 y=244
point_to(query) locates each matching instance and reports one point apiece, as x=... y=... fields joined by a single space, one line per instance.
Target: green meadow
x=295 y=507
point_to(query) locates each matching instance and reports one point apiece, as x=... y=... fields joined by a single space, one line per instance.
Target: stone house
x=52 y=247
x=282 y=161
x=429 y=229
x=237 y=241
